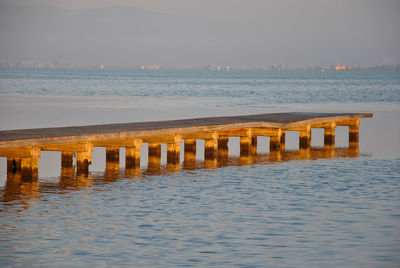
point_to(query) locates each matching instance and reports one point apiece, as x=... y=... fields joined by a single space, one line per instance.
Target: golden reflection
x=19 y=187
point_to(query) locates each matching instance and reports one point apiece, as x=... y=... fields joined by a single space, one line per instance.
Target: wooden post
x=305 y=137
x=83 y=160
x=132 y=155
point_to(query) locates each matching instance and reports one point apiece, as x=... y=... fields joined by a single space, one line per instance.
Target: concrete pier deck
x=22 y=147
x=45 y=136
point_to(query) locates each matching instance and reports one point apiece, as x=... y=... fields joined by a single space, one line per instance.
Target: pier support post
x=305 y=137
x=173 y=153
x=245 y=146
x=329 y=134
x=13 y=170
x=83 y=160
x=210 y=151
x=155 y=150
x=24 y=168
x=253 y=147
x=211 y=147
x=248 y=144
x=190 y=154
x=154 y=161
x=67 y=159
x=283 y=140
x=112 y=158
x=275 y=141
x=223 y=150
x=354 y=134
x=132 y=155
x=67 y=166
x=190 y=146
x=29 y=168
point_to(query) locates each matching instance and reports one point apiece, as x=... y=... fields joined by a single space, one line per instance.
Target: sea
x=335 y=210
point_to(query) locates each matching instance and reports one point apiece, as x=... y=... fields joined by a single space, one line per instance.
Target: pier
x=22 y=148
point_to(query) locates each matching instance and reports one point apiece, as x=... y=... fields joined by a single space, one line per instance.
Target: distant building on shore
x=341 y=67
x=151 y=67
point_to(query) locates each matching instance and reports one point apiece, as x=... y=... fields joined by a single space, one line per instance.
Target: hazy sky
x=232 y=32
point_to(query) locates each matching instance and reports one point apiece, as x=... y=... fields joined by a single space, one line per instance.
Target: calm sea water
x=325 y=210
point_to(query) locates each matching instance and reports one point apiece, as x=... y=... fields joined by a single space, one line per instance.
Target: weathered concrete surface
x=47 y=136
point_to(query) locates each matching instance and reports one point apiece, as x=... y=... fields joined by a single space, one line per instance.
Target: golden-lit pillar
x=189 y=161
x=283 y=140
x=67 y=159
x=112 y=158
x=329 y=134
x=22 y=163
x=154 y=157
x=155 y=150
x=275 y=141
x=173 y=153
x=211 y=147
x=13 y=170
x=253 y=146
x=173 y=156
x=29 y=168
x=223 y=150
x=354 y=134
x=245 y=145
x=305 y=137
x=132 y=155
x=13 y=165
x=67 y=167
x=210 y=151
x=84 y=159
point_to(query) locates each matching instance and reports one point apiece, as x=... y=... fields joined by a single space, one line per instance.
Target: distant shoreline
x=209 y=68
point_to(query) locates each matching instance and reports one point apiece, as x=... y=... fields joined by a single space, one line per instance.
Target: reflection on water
x=19 y=189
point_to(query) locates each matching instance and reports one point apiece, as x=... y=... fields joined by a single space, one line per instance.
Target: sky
x=207 y=32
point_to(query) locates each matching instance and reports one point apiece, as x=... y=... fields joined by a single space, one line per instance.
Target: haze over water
x=297 y=212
